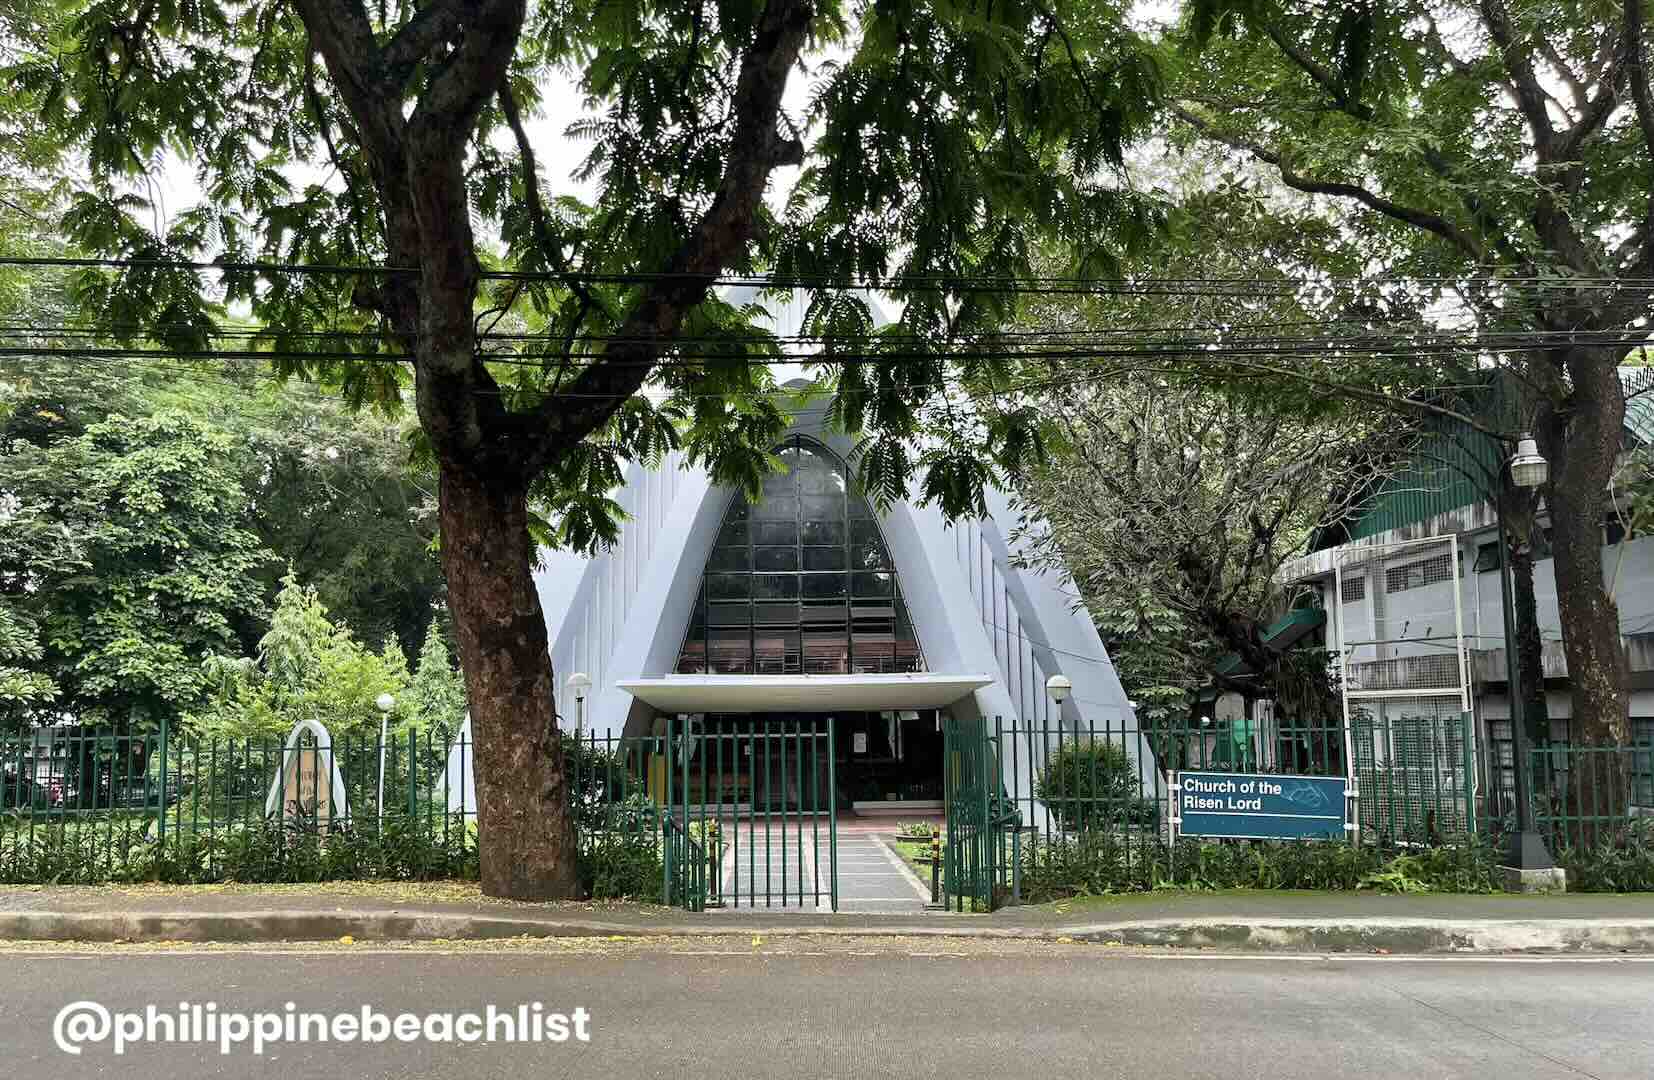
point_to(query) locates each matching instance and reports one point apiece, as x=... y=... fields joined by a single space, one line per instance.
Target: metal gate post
x=832 y=809
x=1467 y=735
x=161 y=822
x=666 y=814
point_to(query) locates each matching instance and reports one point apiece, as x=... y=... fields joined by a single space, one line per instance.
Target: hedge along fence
x=87 y=806
x=1062 y=782
x=1090 y=805
x=1097 y=863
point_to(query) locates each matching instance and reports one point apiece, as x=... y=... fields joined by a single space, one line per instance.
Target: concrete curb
x=1365 y=935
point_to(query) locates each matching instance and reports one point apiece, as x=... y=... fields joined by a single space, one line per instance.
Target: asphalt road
x=902 y=1009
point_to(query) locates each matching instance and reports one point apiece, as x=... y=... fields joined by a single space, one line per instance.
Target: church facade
x=716 y=612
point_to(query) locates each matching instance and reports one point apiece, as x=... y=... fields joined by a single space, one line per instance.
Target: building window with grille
x=1415 y=575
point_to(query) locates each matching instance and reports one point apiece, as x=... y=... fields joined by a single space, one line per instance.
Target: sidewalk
x=1235 y=921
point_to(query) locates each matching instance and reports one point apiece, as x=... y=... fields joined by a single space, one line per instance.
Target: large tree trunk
x=528 y=842
x=1583 y=445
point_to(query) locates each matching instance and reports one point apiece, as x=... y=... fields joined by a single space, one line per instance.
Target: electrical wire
x=1237 y=286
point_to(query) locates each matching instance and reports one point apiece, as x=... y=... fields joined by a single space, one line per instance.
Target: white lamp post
x=578 y=684
x=1527 y=851
x=1528 y=467
x=384 y=703
x=1058 y=689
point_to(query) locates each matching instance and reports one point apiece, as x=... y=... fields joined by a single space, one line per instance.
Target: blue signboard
x=1259 y=806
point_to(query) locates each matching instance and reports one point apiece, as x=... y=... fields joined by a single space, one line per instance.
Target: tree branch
x=1636 y=68
x=1423 y=219
x=719 y=237
x=1433 y=35
x=1073 y=57
x=537 y=215
x=434 y=25
x=343 y=35
x=1576 y=88
x=1317 y=72
x=459 y=402
x=1524 y=82
x=1406 y=405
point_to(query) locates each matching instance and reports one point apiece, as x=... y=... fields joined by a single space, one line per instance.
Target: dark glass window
x=800 y=581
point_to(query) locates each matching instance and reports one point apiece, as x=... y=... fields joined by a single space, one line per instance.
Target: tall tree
x=1503 y=152
x=124 y=547
x=344 y=133
x=343 y=506
x=1174 y=507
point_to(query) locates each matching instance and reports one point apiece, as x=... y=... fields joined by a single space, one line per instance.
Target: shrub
x=616 y=866
x=1096 y=863
x=1622 y=862
x=1088 y=785
x=74 y=853
x=602 y=791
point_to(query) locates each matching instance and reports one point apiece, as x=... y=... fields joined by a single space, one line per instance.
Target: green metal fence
x=82 y=804
x=1019 y=791
x=89 y=804
x=982 y=835
x=1584 y=796
x=754 y=819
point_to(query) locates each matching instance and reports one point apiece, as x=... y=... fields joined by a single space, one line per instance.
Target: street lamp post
x=578 y=684
x=1527 y=851
x=384 y=703
x=1058 y=688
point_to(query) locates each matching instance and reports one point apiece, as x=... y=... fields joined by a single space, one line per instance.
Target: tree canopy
x=1493 y=155
x=289 y=483
x=938 y=145
x=122 y=551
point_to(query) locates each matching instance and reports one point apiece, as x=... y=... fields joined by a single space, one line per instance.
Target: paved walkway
x=871 y=879
x=776 y=870
x=766 y=869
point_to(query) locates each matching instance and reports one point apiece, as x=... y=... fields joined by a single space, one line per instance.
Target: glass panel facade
x=800 y=582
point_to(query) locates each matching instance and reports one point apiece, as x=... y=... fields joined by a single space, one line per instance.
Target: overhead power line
x=961 y=282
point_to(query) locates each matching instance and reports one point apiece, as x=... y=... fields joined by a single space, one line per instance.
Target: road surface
x=882 y=1008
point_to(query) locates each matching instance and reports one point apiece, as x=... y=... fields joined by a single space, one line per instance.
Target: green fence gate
x=978 y=857
x=753 y=819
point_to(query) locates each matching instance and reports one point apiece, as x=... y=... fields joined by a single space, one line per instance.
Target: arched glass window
x=800 y=581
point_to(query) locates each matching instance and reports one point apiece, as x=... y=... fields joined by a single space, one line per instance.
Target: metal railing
x=1039 y=786
x=1585 y=796
x=88 y=805
x=759 y=798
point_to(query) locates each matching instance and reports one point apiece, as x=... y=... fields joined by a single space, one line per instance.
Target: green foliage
x=1091 y=785
x=23 y=690
x=1622 y=861
x=434 y=699
x=307 y=667
x=1101 y=862
x=125 y=548
x=603 y=792
x=623 y=866
x=331 y=495
x=969 y=135
x=342 y=504
x=89 y=853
